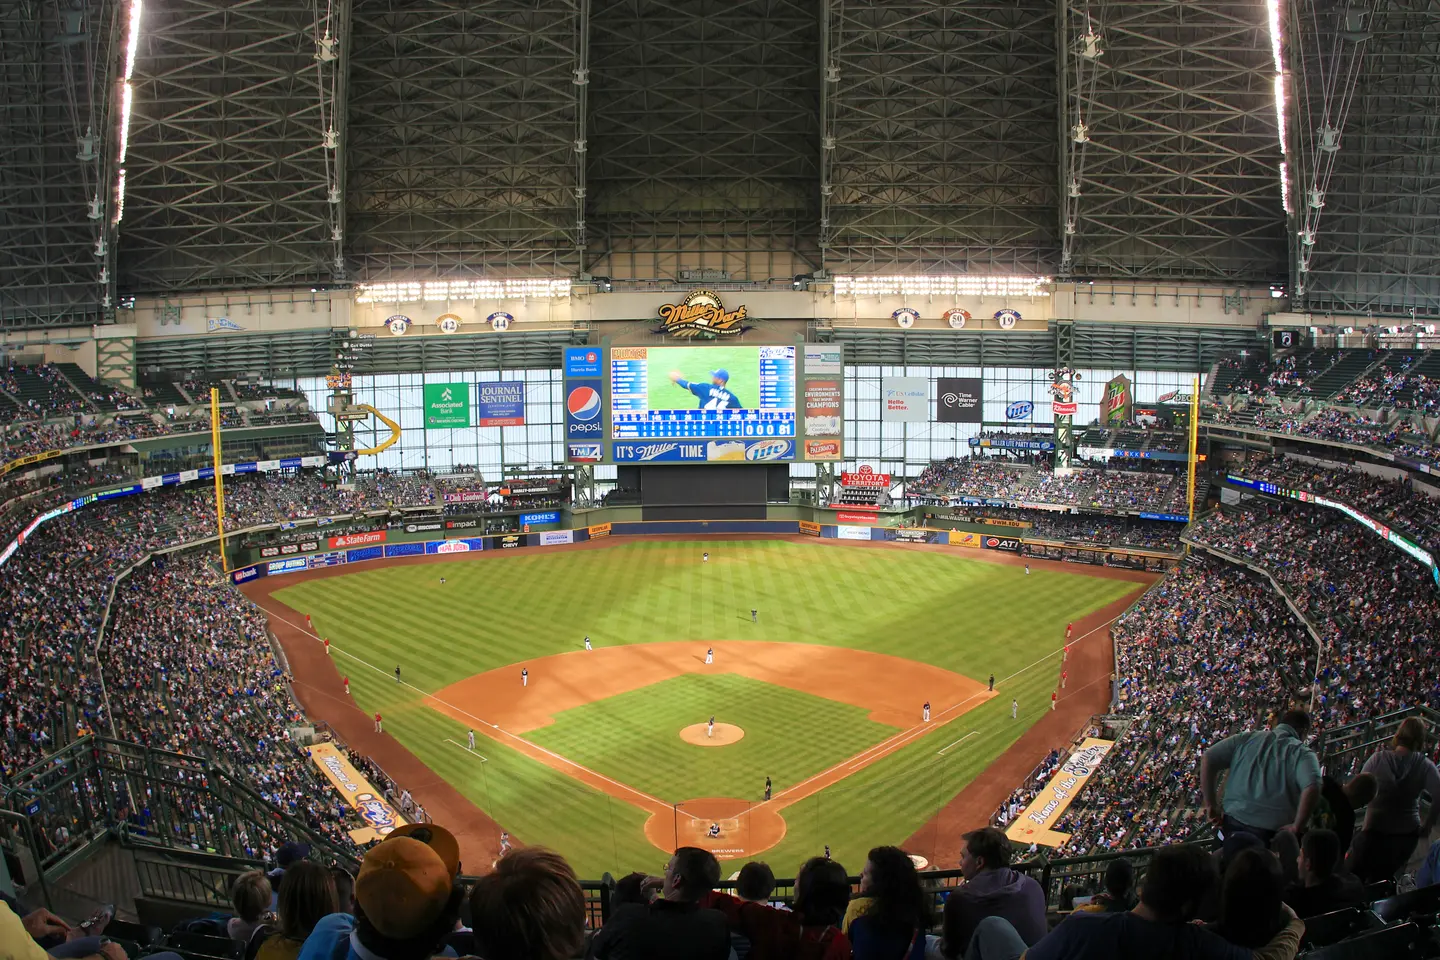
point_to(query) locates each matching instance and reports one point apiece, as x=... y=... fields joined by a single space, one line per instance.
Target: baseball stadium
x=553 y=480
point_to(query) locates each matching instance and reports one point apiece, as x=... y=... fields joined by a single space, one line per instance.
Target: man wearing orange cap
x=407 y=900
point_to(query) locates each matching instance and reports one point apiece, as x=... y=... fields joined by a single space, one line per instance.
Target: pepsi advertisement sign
x=582 y=410
x=582 y=362
x=1019 y=410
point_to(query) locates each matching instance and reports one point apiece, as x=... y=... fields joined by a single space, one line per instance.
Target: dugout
x=713 y=491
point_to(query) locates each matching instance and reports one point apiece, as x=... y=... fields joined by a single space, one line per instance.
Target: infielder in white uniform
x=472 y=740
x=587 y=644
x=524 y=676
x=709 y=656
x=926 y=710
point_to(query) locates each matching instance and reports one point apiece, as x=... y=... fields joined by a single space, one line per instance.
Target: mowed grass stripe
x=940 y=608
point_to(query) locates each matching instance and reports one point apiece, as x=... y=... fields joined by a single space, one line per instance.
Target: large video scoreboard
x=730 y=403
x=715 y=403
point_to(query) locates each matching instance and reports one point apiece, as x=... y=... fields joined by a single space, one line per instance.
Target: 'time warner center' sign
x=1035 y=823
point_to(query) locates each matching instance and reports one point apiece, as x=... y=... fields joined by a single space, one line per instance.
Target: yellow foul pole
x=220 y=482
x=1194 y=443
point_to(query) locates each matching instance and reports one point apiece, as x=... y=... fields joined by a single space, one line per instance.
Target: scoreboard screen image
x=702 y=404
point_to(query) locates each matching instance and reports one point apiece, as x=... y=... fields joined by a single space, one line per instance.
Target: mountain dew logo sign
x=447 y=405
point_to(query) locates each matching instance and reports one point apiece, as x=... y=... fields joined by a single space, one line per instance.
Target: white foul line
x=467 y=750
x=961 y=740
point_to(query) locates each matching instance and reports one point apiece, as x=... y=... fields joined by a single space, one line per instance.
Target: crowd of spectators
x=186 y=663
x=1375 y=609
x=1395 y=502
x=1391 y=388
x=57 y=398
x=1078 y=527
x=1157 y=487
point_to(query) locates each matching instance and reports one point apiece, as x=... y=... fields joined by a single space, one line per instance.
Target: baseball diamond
x=827 y=685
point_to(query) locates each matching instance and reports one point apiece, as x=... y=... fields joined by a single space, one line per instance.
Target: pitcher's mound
x=725 y=734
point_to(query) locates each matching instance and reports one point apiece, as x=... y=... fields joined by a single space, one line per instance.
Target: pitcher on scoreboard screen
x=714 y=395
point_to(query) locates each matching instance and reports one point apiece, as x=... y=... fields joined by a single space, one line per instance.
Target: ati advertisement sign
x=905 y=399
x=447 y=405
x=822 y=449
x=582 y=410
x=582 y=452
x=502 y=403
x=1008 y=544
x=582 y=362
x=701 y=314
x=709 y=451
x=822 y=408
x=958 y=400
x=289 y=549
x=356 y=539
x=864 y=477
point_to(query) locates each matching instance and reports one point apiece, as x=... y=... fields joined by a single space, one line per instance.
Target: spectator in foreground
x=406 y=901
x=674 y=926
x=251 y=896
x=892 y=912
x=530 y=908
x=1251 y=911
x=1320 y=888
x=20 y=936
x=1338 y=805
x=344 y=889
x=1177 y=882
x=991 y=889
x=1119 y=893
x=756 y=882
x=307 y=895
x=809 y=932
x=1274 y=781
x=1392 y=820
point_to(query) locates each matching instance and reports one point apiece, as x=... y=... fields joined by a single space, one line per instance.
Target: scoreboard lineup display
x=702 y=393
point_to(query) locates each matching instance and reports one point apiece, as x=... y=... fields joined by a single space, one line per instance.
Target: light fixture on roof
x=1277 y=291
x=1080 y=133
x=325 y=48
x=1090 y=46
x=1329 y=139
x=1316 y=198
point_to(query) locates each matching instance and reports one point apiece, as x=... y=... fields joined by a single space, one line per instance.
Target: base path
x=563 y=681
x=1091 y=666
x=723 y=735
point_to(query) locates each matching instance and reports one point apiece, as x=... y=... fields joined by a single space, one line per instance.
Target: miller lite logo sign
x=702 y=314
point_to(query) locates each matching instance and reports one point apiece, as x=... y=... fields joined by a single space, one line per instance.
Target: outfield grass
x=965 y=615
x=635 y=737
